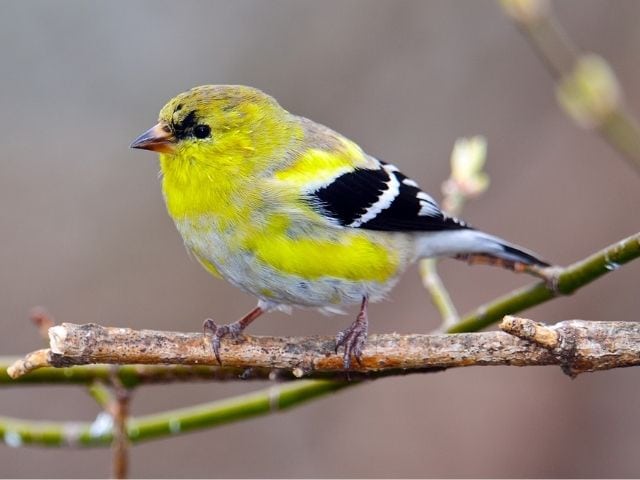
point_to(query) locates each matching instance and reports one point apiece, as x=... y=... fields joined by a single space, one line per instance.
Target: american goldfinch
x=296 y=214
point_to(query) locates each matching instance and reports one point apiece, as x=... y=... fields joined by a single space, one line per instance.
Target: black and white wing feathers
x=382 y=199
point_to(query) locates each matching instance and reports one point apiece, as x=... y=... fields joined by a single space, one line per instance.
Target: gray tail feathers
x=467 y=241
x=519 y=254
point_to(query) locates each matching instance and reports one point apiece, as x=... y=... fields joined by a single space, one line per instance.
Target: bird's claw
x=215 y=333
x=353 y=339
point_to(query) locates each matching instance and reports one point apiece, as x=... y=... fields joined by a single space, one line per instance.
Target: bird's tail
x=467 y=243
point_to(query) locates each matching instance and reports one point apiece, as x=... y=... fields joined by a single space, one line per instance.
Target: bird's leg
x=548 y=274
x=216 y=332
x=354 y=337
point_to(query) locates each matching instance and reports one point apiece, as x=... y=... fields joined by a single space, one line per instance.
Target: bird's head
x=218 y=125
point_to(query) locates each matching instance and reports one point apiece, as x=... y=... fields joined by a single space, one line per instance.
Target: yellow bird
x=296 y=214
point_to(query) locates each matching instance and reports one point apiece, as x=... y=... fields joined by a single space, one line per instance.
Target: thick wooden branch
x=575 y=345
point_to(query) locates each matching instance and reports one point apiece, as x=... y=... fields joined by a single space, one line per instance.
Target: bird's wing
x=380 y=198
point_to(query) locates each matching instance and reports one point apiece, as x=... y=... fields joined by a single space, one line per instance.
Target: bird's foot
x=215 y=332
x=354 y=337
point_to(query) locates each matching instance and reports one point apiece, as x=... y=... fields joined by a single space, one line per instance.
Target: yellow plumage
x=291 y=211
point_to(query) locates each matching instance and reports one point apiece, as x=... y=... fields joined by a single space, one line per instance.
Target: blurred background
x=84 y=230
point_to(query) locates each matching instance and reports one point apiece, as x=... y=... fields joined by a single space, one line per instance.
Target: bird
x=296 y=214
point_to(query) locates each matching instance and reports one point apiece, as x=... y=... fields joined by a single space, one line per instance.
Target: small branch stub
x=576 y=345
x=529 y=330
x=32 y=361
x=581 y=346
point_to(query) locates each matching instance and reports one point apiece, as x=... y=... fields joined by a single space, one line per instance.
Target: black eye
x=201 y=131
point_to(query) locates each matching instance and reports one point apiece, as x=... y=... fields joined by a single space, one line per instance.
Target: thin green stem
x=132 y=375
x=101 y=394
x=466 y=181
x=554 y=47
x=568 y=280
x=80 y=434
x=622 y=131
x=552 y=44
x=438 y=292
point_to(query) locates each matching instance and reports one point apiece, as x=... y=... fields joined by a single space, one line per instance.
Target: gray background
x=84 y=231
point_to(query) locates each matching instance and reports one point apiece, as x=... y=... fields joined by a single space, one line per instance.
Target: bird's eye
x=201 y=131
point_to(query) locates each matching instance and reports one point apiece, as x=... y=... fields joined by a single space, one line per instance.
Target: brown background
x=84 y=231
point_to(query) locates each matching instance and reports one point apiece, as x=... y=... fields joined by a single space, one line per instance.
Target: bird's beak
x=158 y=138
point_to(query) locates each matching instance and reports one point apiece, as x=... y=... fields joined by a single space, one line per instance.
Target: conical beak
x=158 y=138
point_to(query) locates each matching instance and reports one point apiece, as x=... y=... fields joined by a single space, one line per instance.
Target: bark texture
x=575 y=345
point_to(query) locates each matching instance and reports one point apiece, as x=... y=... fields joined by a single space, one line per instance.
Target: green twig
x=592 y=96
x=135 y=375
x=80 y=434
x=623 y=132
x=101 y=394
x=132 y=375
x=569 y=280
x=438 y=292
x=467 y=180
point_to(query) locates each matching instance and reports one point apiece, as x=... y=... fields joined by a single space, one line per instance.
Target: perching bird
x=296 y=214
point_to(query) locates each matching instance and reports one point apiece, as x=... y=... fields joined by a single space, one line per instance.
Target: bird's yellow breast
x=192 y=188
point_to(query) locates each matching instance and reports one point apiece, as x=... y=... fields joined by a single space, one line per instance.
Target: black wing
x=382 y=199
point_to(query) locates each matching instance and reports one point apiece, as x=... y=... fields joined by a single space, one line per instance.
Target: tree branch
x=298 y=355
x=578 y=346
